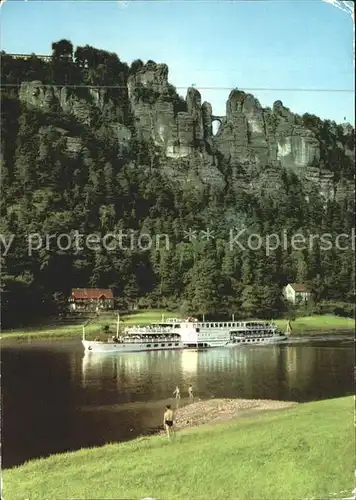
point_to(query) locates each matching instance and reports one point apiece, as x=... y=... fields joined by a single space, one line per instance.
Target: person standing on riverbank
x=190 y=392
x=177 y=392
x=168 y=420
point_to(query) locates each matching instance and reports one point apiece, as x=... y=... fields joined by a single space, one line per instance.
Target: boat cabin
x=230 y=324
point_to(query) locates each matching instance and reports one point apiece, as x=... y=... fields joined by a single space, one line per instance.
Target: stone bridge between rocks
x=217 y=118
x=215 y=125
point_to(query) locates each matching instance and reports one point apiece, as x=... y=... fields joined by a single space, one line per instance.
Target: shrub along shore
x=305 y=451
x=308 y=325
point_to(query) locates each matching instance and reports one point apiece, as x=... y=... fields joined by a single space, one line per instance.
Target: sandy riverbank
x=201 y=412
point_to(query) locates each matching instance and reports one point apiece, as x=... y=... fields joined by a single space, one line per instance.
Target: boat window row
x=166 y=326
x=176 y=344
x=131 y=339
x=258 y=327
x=258 y=334
x=243 y=341
x=148 y=329
x=238 y=341
x=213 y=335
x=163 y=345
x=218 y=325
x=153 y=337
x=233 y=325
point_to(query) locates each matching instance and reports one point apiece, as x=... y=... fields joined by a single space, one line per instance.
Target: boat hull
x=258 y=340
x=205 y=344
x=94 y=346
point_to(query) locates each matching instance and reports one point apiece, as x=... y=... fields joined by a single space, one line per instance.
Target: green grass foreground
x=300 y=453
x=308 y=324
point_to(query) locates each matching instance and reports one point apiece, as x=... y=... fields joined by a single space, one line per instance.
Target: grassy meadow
x=317 y=324
x=72 y=331
x=307 y=452
x=308 y=324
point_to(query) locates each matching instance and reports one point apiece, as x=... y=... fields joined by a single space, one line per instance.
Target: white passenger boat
x=254 y=332
x=138 y=338
x=197 y=334
x=187 y=333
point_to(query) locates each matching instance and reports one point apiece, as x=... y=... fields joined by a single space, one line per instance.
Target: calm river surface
x=55 y=398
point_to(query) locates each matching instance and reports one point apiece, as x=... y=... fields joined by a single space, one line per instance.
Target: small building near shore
x=297 y=293
x=91 y=299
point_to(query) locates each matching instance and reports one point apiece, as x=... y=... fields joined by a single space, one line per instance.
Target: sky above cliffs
x=276 y=50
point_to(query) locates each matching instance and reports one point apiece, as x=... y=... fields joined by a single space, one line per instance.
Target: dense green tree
x=63 y=174
x=202 y=287
x=63 y=49
x=250 y=300
x=136 y=66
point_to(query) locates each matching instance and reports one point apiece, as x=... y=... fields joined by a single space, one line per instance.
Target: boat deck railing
x=147 y=329
x=145 y=340
x=261 y=333
x=267 y=327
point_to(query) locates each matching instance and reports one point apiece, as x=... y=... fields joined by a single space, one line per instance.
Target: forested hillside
x=93 y=146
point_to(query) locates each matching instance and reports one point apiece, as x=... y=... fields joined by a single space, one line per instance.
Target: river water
x=56 y=399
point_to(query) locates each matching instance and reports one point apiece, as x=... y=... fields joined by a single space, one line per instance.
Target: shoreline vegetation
x=308 y=325
x=306 y=450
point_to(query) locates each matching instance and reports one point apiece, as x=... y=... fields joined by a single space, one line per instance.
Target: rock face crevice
x=254 y=142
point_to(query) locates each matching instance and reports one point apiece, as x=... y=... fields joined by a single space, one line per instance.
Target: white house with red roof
x=91 y=299
x=297 y=293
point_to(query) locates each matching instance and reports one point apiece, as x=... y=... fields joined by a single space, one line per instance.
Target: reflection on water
x=128 y=366
x=55 y=398
x=289 y=372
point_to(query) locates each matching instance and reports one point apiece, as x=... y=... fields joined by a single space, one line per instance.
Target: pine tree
x=202 y=287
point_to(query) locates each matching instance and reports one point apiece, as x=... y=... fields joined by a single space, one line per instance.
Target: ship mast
x=117 y=326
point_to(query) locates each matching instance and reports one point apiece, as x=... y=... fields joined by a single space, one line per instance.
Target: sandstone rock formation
x=255 y=142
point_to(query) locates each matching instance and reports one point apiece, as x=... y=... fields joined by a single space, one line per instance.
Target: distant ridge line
x=265 y=89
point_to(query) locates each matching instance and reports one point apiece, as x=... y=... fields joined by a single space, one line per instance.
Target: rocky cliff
x=254 y=144
x=92 y=146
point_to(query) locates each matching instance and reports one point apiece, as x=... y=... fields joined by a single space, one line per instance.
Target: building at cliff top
x=43 y=57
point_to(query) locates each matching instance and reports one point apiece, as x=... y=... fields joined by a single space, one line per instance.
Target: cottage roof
x=91 y=293
x=299 y=287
